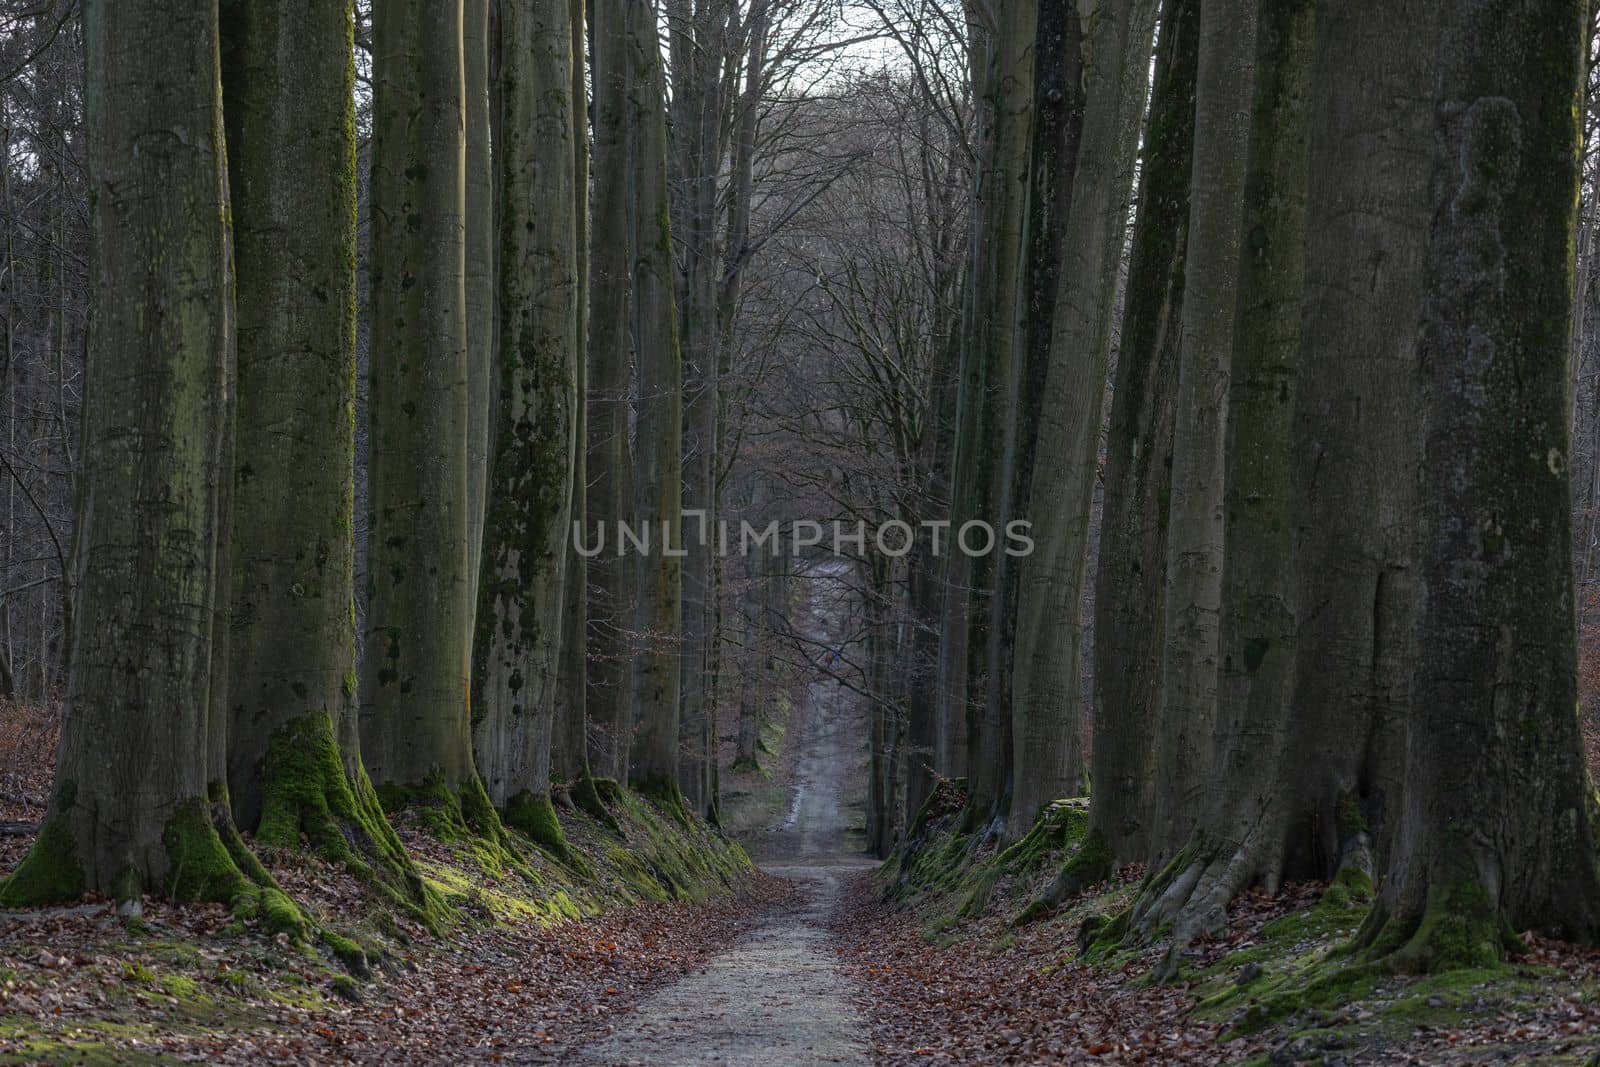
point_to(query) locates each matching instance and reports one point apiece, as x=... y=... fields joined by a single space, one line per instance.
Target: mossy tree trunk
x=1049 y=635
x=415 y=718
x=139 y=796
x=609 y=457
x=294 y=760
x=658 y=463
x=517 y=651
x=1496 y=834
x=1131 y=579
x=1195 y=525
x=1237 y=840
x=1047 y=760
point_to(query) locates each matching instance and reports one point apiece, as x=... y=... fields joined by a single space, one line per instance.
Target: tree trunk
x=990 y=388
x=658 y=464
x=1356 y=438
x=1496 y=834
x=477 y=72
x=1131 y=581
x=610 y=459
x=1238 y=840
x=1047 y=686
x=1046 y=760
x=294 y=761
x=699 y=46
x=517 y=652
x=927 y=752
x=1195 y=529
x=415 y=720
x=140 y=802
x=569 y=757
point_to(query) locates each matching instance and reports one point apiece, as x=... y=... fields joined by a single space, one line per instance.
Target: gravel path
x=777 y=997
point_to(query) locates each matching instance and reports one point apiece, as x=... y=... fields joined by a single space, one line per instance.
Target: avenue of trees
x=325 y=324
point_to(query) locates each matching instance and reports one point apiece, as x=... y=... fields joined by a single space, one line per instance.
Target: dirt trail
x=777 y=996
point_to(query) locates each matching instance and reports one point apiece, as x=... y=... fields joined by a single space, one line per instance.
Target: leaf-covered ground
x=947 y=975
x=534 y=958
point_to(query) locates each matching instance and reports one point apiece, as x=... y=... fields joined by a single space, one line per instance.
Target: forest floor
x=533 y=960
x=674 y=950
x=779 y=995
x=951 y=971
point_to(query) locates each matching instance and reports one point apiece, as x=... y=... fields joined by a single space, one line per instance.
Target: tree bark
x=1497 y=833
x=610 y=457
x=1049 y=636
x=517 y=652
x=1046 y=761
x=1238 y=840
x=294 y=761
x=140 y=803
x=415 y=719
x=1130 y=585
x=1195 y=528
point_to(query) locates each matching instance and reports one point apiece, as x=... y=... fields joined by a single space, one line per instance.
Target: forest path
x=777 y=996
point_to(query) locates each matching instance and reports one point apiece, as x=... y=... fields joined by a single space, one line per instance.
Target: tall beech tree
x=987 y=402
x=1044 y=766
x=609 y=453
x=702 y=60
x=294 y=763
x=1496 y=833
x=140 y=800
x=517 y=651
x=658 y=460
x=1049 y=638
x=415 y=722
x=1130 y=584
x=1235 y=837
x=1223 y=91
x=1355 y=440
x=569 y=757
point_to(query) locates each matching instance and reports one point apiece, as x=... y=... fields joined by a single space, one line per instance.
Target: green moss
x=1460 y=927
x=1101 y=936
x=535 y=816
x=49 y=873
x=208 y=862
x=589 y=797
x=1351 y=885
x=1350 y=818
x=663 y=791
